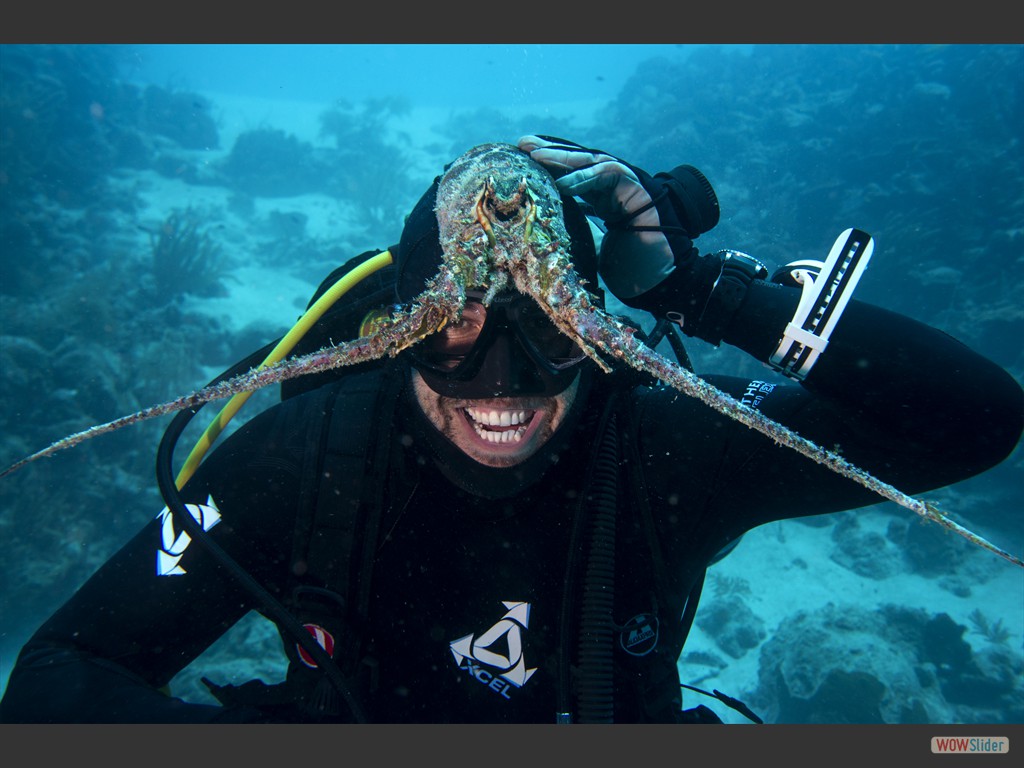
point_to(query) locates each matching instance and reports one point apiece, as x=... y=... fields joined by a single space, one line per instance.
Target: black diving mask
x=508 y=349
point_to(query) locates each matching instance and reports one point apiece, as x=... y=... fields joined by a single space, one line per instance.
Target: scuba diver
x=487 y=528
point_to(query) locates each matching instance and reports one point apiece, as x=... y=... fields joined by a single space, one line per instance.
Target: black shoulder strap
x=341 y=505
x=322 y=400
x=639 y=494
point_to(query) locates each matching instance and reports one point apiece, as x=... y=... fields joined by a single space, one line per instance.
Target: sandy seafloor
x=779 y=569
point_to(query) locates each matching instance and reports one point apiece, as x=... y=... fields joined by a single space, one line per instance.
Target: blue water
x=291 y=159
x=457 y=76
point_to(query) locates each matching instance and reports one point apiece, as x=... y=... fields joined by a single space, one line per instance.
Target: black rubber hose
x=274 y=609
x=677 y=346
x=665 y=328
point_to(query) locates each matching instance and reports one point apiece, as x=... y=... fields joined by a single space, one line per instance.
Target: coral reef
x=57 y=108
x=69 y=121
x=993 y=631
x=367 y=165
x=186 y=259
x=866 y=553
x=733 y=626
x=846 y=664
x=270 y=162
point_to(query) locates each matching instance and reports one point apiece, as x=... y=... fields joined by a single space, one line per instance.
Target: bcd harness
x=351 y=483
x=352 y=487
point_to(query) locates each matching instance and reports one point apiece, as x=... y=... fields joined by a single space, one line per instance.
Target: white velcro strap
x=823 y=298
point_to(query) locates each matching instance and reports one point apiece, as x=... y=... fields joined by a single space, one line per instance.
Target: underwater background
x=165 y=210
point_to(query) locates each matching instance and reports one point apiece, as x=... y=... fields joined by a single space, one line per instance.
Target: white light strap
x=822 y=300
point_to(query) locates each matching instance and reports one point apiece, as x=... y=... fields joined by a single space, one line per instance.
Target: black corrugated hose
x=595 y=686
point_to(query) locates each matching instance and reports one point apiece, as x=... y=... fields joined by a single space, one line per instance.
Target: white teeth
x=497 y=418
x=492 y=418
x=511 y=436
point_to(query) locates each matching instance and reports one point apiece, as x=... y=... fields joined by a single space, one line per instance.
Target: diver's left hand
x=635 y=256
x=610 y=185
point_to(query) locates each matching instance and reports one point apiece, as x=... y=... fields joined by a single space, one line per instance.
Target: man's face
x=497 y=431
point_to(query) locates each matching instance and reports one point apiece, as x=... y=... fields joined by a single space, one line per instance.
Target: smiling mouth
x=499 y=426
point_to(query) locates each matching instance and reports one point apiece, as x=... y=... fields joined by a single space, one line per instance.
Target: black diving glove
x=647 y=257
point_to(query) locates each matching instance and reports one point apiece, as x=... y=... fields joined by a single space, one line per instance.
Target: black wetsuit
x=466 y=598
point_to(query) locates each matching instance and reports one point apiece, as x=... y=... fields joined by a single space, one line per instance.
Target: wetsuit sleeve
x=899 y=399
x=909 y=383
x=162 y=599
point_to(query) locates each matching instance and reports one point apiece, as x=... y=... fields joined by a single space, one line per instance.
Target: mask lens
x=547 y=341
x=447 y=348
